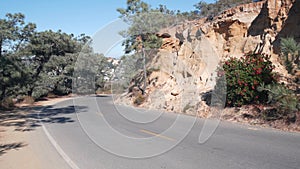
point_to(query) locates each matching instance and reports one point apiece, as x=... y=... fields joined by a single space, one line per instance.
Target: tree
x=133 y=7
x=49 y=51
x=38 y=63
x=210 y=10
x=14 y=34
x=124 y=73
x=53 y=59
x=144 y=24
x=204 y=8
x=89 y=72
x=56 y=76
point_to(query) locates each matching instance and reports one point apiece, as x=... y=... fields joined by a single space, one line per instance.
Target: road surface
x=93 y=133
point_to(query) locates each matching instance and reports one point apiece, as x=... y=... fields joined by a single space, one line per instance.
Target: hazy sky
x=79 y=16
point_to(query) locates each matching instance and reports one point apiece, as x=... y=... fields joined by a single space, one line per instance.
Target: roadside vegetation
x=34 y=64
x=244 y=76
x=252 y=81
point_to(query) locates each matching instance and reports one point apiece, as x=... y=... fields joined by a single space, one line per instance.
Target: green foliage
x=136 y=42
x=133 y=7
x=14 y=34
x=290 y=53
x=11 y=75
x=144 y=22
x=243 y=76
x=125 y=72
x=284 y=101
x=90 y=70
x=56 y=76
x=34 y=64
x=212 y=9
x=51 y=67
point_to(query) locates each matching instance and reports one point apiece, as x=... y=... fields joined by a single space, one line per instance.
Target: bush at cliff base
x=244 y=76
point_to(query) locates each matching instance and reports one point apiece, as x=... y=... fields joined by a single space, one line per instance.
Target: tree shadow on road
x=29 y=118
x=4 y=148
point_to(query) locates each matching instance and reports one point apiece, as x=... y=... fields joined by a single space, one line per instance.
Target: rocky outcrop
x=191 y=51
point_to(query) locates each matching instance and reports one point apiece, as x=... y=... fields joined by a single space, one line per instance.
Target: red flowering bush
x=244 y=76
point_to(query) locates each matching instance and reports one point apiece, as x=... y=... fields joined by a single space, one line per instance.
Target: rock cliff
x=185 y=65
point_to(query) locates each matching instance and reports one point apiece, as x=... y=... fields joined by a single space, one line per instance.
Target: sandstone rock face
x=191 y=51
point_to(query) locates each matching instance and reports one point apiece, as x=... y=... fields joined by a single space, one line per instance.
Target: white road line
x=59 y=149
x=56 y=146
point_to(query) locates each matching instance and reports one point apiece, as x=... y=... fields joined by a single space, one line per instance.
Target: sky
x=79 y=16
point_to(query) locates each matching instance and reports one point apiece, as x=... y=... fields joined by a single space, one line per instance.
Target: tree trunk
x=145 y=72
x=3 y=90
x=1 y=41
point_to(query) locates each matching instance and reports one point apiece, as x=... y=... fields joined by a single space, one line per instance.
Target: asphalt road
x=93 y=133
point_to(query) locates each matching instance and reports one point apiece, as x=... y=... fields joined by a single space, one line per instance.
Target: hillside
x=185 y=65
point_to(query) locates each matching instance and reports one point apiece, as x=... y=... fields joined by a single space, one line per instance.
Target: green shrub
x=284 y=102
x=290 y=54
x=243 y=76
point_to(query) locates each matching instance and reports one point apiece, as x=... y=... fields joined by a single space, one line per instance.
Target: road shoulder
x=23 y=144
